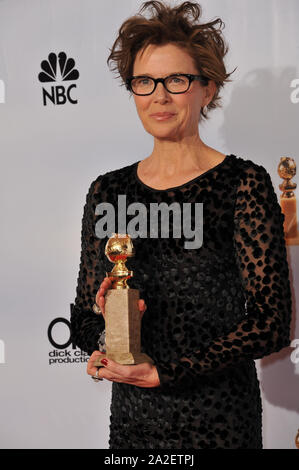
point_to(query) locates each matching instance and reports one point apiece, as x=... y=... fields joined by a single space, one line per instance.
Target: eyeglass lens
x=174 y=84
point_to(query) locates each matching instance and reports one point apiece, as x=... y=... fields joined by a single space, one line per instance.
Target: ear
x=211 y=89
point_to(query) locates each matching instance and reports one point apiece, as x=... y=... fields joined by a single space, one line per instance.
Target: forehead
x=163 y=60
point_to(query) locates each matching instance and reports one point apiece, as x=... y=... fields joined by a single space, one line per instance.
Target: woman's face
x=161 y=61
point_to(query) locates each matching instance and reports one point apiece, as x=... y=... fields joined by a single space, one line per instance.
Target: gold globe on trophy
x=122 y=315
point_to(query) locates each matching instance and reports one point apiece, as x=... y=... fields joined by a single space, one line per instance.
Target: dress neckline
x=181 y=185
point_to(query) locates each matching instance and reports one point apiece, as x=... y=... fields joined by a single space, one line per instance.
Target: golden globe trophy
x=287 y=170
x=122 y=315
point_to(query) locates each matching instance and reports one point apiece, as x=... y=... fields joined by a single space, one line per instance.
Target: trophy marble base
x=291 y=229
x=123 y=328
x=292 y=240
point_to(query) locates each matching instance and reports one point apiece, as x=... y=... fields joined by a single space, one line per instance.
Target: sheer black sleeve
x=86 y=326
x=261 y=258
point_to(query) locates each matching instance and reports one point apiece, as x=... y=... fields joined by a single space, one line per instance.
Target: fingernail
x=104 y=361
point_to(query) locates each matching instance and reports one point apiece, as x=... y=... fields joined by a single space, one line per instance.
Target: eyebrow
x=150 y=75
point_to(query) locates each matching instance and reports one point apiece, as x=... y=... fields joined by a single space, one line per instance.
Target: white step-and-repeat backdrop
x=55 y=138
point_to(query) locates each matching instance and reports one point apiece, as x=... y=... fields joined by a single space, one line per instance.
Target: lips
x=162 y=114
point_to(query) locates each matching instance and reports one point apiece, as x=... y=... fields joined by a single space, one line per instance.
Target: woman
x=208 y=312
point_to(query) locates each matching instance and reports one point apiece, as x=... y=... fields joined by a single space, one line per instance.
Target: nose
x=161 y=93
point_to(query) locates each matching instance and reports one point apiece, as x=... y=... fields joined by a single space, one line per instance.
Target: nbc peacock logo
x=59 y=69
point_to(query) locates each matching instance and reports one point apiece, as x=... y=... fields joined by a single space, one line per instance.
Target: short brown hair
x=203 y=42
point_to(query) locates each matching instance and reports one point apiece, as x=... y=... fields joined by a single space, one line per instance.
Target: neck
x=172 y=156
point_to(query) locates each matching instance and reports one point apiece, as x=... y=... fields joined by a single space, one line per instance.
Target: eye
x=176 y=79
x=142 y=81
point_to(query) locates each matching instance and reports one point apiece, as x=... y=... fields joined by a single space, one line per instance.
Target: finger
x=100 y=299
x=106 y=282
x=95 y=355
x=116 y=370
x=91 y=368
x=101 y=304
x=142 y=306
x=104 y=286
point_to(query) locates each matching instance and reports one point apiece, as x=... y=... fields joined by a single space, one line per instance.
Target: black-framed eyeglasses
x=143 y=85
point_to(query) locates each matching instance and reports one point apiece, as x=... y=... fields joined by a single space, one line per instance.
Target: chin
x=164 y=135
x=156 y=132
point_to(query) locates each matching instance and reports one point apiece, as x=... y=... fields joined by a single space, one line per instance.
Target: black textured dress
x=210 y=311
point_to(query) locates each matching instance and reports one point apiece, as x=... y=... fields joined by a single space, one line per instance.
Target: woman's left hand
x=141 y=375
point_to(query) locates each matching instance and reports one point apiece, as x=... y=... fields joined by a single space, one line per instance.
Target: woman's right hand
x=100 y=297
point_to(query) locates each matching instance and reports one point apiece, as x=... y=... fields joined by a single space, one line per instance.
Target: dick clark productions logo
x=58 y=69
x=60 y=338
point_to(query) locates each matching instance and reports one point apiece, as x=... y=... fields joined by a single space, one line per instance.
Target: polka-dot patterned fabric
x=210 y=311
